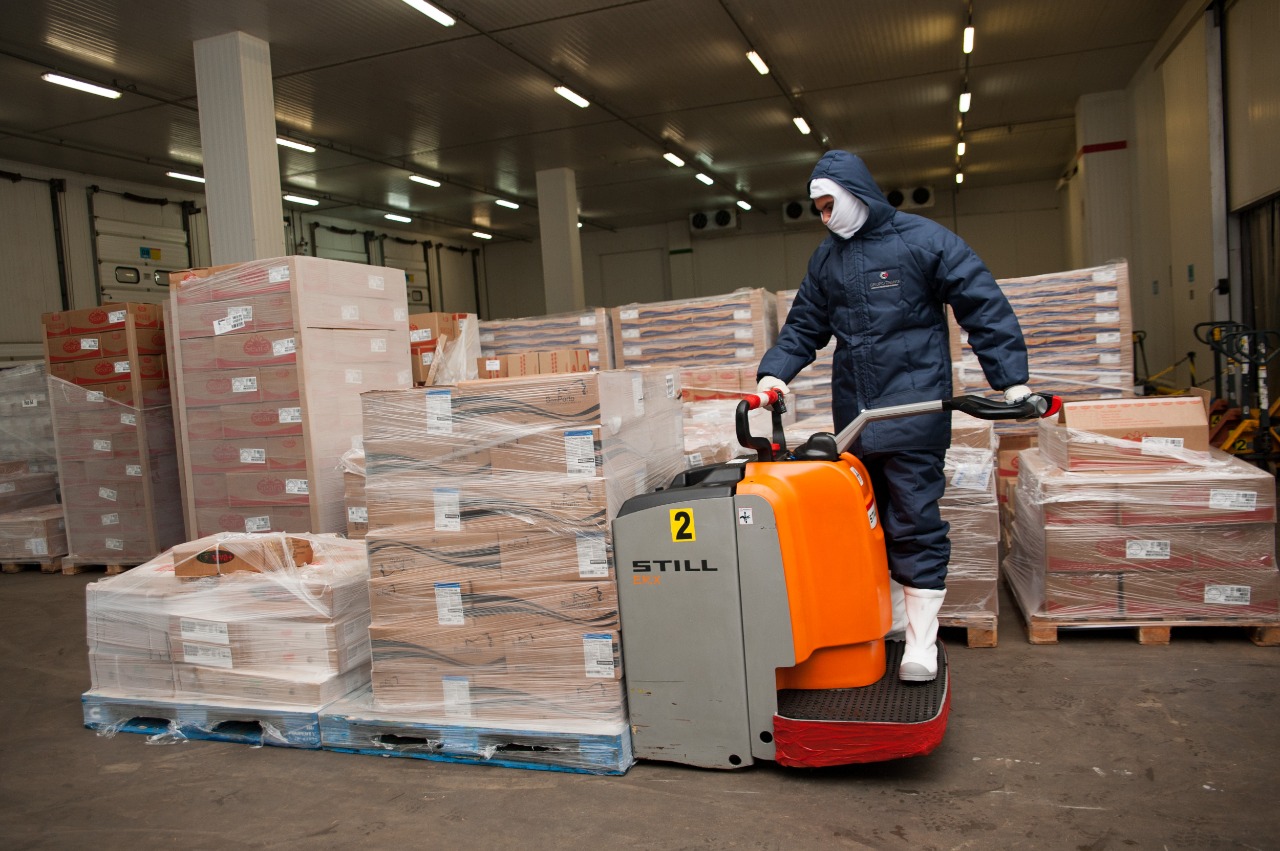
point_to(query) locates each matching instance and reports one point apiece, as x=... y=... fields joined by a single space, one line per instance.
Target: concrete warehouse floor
x=1095 y=743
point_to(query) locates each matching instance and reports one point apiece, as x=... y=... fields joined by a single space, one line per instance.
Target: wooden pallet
x=979 y=632
x=73 y=567
x=46 y=564
x=1045 y=630
x=223 y=722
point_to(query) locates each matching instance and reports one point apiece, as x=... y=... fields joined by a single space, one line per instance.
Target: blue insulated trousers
x=908 y=485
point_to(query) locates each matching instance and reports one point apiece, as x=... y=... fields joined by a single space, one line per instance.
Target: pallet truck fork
x=754 y=598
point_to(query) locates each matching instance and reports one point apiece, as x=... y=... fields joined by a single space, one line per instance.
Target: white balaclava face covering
x=848 y=213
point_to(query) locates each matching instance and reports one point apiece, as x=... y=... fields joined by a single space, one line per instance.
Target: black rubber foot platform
x=888 y=701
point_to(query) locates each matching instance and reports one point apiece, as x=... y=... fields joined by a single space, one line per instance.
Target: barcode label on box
x=203 y=654
x=974 y=477
x=593 y=557
x=378 y=344
x=376 y=282
x=38 y=546
x=210 y=632
x=110 y=519
x=742 y=315
x=631 y=334
x=669 y=380
x=287 y=346
x=115 y=544
x=89 y=344
x=121 y=367
x=1148 y=550
x=244 y=384
x=357 y=514
x=1109 y=358
x=1229 y=595
x=258 y=524
x=297 y=486
x=128 y=419
x=449 y=604
x=457 y=697
x=253 y=456
x=1230 y=500
x=95 y=396
x=1158 y=443
x=30 y=402
x=632 y=351
x=588 y=340
x=748 y=353
x=107 y=493
x=1106 y=317
x=597 y=652
x=102 y=446
x=694 y=459
x=1108 y=338
x=278 y=274
x=493 y=365
x=355 y=376
x=448 y=510
x=1107 y=296
x=587 y=321
x=233 y=321
x=133 y=469
x=8 y=487
x=289 y=415
x=439 y=412
x=629 y=314
x=244 y=311
x=115 y=316
x=580 y=452
x=350 y=312
x=743 y=334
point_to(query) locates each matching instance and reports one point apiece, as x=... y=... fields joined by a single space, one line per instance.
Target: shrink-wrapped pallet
x=812 y=387
x=738 y=327
x=26 y=424
x=970 y=507
x=589 y=329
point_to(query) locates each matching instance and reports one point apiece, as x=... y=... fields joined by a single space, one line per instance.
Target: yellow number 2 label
x=682 y=525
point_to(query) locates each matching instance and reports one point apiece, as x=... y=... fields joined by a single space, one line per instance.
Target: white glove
x=1016 y=393
x=770 y=383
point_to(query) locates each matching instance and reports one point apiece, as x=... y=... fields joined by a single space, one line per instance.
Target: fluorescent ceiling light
x=960 y=149
x=81 y=85
x=579 y=224
x=572 y=97
x=479 y=235
x=298 y=199
x=968 y=39
x=704 y=178
x=965 y=100
x=510 y=205
x=959 y=177
x=442 y=18
x=673 y=159
x=194 y=178
x=744 y=205
x=297 y=146
x=417 y=178
x=754 y=59
x=397 y=218
x=801 y=125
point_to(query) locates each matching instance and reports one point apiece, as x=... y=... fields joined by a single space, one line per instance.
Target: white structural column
x=561 y=244
x=238 y=137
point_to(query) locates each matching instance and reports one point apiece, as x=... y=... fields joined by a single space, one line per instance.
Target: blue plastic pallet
x=277 y=727
x=354 y=726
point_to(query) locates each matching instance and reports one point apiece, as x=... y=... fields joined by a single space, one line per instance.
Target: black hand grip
x=1035 y=406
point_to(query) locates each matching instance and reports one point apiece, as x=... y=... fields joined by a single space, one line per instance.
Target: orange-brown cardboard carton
x=1137 y=433
x=219 y=554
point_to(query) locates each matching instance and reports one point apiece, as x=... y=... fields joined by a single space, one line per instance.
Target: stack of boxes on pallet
x=969 y=505
x=812 y=387
x=589 y=330
x=113 y=426
x=1124 y=515
x=32 y=530
x=271 y=359
x=444 y=347
x=495 y=611
x=231 y=628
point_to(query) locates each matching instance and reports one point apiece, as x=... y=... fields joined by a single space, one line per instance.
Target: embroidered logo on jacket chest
x=885 y=279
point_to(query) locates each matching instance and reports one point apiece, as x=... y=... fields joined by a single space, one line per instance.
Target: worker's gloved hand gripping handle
x=765 y=449
x=1035 y=406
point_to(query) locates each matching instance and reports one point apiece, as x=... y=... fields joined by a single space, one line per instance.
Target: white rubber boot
x=898 y=632
x=920 y=658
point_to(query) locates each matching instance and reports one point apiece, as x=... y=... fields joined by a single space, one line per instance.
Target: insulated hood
x=851 y=172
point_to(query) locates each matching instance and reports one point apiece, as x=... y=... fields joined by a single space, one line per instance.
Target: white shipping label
x=355 y=376
x=420 y=335
x=427 y=358
x=1108 y=338
x=1109 y=358
x=115 y=544
x=1231 y=500
x=742 y=315
x=457 y=697
x=669 y=380
x=244 y=384
x=8 y=487
x=632 y=351
x=289 y=415
x=587 y=321
x=1103 y=276
x=121 y=367
x=449 y=604
x=1148 y=550
x=439 y=412
x=743 y=334
x=111 y=520
x=593 y=556
x=597 y=653
x=1157 y=443
x=351 y=312
x=107 y=493
x=210 y=632
x=89 y=344
x=1106 y=317
x=357 y=514
x=580 y=452
x=253 y=456
x=128 y=419
x=588 y=340
x=244 y=311
x=1107 y=296
x=694 y=459
x=203 y=654
x=231 y=322
x=376 y=282
x=974 y=477
x=38 y=546
x=287 y=346
x=593 y=356
x=745 y=353
x=258 y=524
x=297 y=486
x=133 y=469
x=631 y=313
x=115 y=316
x=30 y=402
x=631 y=334
x=448 y=510
x=493 y=365
x=1229 y=595
x=278 y=274
x=95 y=396
x=637 y=394
x=486 y=336
x=378 y=345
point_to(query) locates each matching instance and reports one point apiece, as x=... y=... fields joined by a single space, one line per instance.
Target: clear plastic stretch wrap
x=710 y=430
x=235 y=619
x=352 y=466
x=1183 y=543
x=969 y=505
x=32 y=533
x=738 y=327
x=26 y=425
x=271 y=359
x=812 y=387
x=1078 y=327
x=489 y=543
x=119 y=474
x=588 y=330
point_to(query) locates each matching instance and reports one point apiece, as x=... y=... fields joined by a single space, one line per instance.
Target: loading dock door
x=408 y=257
x=137 y=244
x=334 y=243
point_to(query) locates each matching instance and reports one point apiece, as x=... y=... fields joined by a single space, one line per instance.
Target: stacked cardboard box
x=26 y=424
x=443 y=347
x=113 y=428
x=353 y=491
x=1176 y=536
x=588 y=330
x=534 y=362
x=812 y=387
x=969 y=505
x=489 y=507
x=735 y=328
x=271 y=359
x=1079 y=329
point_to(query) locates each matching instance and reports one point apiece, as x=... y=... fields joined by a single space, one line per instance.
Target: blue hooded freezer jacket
x=881 y=293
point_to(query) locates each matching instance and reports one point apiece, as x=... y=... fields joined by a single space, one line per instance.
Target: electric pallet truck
x=754 y=598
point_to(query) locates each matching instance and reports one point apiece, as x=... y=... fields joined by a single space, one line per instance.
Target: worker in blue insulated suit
x=879 y=284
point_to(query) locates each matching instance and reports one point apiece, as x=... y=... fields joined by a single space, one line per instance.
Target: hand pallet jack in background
x=754 y=598
x=1254 y=438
